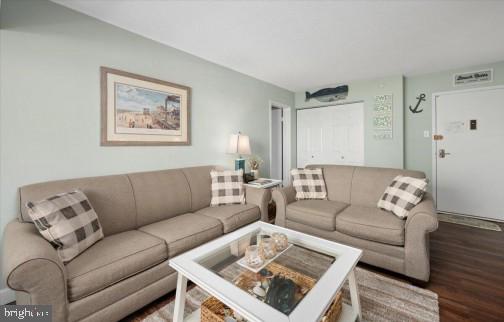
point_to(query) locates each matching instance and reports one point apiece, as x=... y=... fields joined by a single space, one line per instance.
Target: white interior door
x=276 y=144
x=469 y=159
x=331 y=135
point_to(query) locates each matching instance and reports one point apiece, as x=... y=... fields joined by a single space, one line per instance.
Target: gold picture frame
x=140 y=110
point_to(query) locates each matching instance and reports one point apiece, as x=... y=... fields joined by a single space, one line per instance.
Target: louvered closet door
x=332 y=135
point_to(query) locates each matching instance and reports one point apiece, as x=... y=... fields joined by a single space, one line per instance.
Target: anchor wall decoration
x=420 y=99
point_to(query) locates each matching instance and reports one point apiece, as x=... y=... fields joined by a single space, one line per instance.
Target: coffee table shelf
x=347 y=315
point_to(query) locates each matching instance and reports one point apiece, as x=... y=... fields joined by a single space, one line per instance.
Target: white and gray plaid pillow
x=402 y=195
x=67 y=221
x=309 y=183
x=227 y=187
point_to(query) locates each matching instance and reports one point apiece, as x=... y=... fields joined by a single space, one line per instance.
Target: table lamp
x=239 y=144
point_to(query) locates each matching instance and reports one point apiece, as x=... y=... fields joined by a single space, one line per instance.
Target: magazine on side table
x=264 y=183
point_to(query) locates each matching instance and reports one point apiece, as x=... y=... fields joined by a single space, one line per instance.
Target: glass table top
x=278 y=275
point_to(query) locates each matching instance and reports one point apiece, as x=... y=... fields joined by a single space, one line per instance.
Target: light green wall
x=379 y=153
x=418 y=150
x=408 y=127
x=50 y=100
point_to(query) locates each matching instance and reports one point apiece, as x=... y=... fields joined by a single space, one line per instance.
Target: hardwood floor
x=467 y=273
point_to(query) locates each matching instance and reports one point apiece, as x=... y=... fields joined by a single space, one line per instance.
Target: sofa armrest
x=422 y=220
x=423 y=214
x=259 y=197
x=282 y=197
x=32 y=265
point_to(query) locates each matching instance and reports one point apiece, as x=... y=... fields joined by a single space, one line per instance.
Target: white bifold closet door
x=331 y=135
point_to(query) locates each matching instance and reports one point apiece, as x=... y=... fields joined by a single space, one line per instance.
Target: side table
x=265 y=183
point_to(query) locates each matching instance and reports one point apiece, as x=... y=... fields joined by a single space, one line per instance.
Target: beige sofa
x=350 y=216
x=146 y=217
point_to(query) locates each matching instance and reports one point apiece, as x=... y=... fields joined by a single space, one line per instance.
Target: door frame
x=287 y=139
x=434 y=130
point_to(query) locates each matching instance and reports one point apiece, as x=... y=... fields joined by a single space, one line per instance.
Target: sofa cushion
x=200 y=184
x=111 y=260
x=372 y=224
x=160 y=195
x=316 y=213
x=338 y=180
x=369 y=183
x=233 y=216
x=184 y=232
x=111 y=196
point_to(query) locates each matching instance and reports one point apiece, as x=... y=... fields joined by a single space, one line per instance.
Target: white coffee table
x=203 y=265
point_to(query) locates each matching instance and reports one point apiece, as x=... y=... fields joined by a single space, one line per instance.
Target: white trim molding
x=287 y=139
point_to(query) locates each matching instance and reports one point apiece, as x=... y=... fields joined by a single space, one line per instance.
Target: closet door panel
x=332 y=135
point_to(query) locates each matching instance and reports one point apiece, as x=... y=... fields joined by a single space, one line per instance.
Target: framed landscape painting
x=139 y=110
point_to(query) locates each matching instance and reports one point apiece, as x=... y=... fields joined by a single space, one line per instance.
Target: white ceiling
x=304 y=44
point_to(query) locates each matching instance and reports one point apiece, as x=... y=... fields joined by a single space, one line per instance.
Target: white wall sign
x=382 y=117
x=482 y=76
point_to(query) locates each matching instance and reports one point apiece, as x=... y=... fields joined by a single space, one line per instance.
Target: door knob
x=443 y=153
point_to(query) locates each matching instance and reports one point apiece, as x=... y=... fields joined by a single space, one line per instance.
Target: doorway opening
x=280 y=142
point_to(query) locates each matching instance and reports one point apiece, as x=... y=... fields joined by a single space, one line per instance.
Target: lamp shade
x=239 y=144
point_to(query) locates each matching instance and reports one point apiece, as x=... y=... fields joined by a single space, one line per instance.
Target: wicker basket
x=305 y=282
x=334 y=310
x=212 y=310
x=247 y=279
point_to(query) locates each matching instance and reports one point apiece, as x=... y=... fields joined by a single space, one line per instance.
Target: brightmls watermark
x=35 y=313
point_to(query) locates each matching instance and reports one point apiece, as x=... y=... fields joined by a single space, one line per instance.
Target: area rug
x=468 y=221
x=382 y=299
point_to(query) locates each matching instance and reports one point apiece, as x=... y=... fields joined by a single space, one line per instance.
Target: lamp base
x=240 y=164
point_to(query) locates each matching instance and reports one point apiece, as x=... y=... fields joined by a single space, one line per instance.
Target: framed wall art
x=139 y=110
x=383 y=117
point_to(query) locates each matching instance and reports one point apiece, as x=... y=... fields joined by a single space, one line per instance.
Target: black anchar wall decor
x=420 y=99
x=329 y=94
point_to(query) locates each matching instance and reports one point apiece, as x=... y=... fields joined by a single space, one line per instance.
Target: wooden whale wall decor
x=329 y=94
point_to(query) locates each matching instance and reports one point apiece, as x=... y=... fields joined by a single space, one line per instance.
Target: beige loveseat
x=146 y=217
x=350 y=216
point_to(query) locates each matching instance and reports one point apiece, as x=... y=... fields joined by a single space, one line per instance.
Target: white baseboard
x=6 y=296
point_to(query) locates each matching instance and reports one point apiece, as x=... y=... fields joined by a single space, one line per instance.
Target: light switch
x=426 y=134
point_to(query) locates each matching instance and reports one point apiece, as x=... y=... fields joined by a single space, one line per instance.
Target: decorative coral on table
x=255 y=162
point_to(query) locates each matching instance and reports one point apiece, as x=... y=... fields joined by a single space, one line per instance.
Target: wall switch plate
x=426 y=134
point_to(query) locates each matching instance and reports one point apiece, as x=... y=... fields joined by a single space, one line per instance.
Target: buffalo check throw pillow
x=68 y=222
x=309 y=184
x=227 y=187
x=402 y=195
